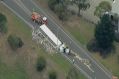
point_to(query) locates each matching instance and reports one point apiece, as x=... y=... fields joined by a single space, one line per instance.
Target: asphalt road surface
x=24 y=8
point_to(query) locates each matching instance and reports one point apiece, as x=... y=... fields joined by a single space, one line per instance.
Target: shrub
x=41 y=64
x=92 y=46
x=52 y=3
x=73 y=74
x=59 y=8
x=3 y=21
x=15 y=42
x=52 y=75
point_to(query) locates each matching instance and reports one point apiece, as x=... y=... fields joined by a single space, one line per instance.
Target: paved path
x=23 y=9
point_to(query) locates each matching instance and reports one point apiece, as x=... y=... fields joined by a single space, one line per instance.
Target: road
x=23 y=9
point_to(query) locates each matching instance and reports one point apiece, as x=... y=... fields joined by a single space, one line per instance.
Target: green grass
x=82 y=31
x=111 y=62
x=61 y=61
x=76 y=33
x=15 y=26
x=83 y=34
x=22 y=28
x=17 y=72
x=66 y=66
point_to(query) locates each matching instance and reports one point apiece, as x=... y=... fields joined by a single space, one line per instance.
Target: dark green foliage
x=92 y=45
x=41 y=64
x=52 y=75
x=82 y=4
x=15 y=42
x=102 y=7
x=105 y=33
x=3 y=21
x=52 y=3
x=73 y=74
x=60 y=8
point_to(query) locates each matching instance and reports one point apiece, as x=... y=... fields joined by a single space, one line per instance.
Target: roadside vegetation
x=84 y=31
x=26 y=61
x=61 y=7
x=15 y=42
x=52 y=75
x=103 y=7
x=104 y=36
x=73 y=74
x=3 y=22
x=41 y=64
x=82 y=4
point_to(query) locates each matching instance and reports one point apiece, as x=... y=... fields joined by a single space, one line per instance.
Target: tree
x=82 y=4
x=15 y=42
x=41 y=64
x=59 y=7
x=73 y=74
x=61 y=11
x=105 y=33
x=3 y=21
x=52 y=3
x=52 y=75
x=103 y=7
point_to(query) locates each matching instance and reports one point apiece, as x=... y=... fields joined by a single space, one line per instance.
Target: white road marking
x=57 y=25
x=30 y=25
x=21 y=5
x=33 y=28
x=77 y=67
x=78 y=45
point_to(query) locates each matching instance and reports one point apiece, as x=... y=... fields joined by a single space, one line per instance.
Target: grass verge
x=83 y=31
x=20 y=64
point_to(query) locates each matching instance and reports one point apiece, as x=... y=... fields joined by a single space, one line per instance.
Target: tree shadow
x=93 y=47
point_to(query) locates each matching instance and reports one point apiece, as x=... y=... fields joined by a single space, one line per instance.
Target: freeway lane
x=64 y=37
x=98 y=72
x=22 y=12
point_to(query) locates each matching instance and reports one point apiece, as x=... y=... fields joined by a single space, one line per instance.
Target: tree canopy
x=15 y=42
x=73 y=74
x=105 y=33
x=59 y=7
x=104 y=6
x=82 y=4
x=52 y=75
x=3 y=21
x=41 y=64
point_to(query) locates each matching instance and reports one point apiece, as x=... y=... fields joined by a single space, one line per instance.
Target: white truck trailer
x=61 y=46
